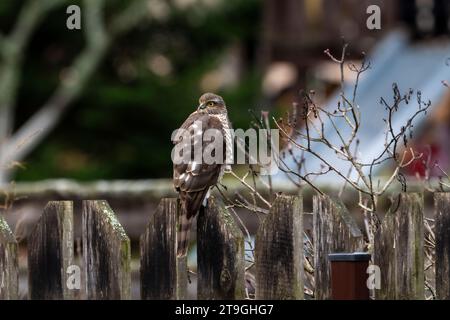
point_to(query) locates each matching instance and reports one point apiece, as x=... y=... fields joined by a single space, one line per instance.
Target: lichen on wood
x=220 y=254
x=106 y=253
x=163 y=275
x=50 y=252
x=279 y=251
x=442 y=255
x=398 y=250
x=9 y=268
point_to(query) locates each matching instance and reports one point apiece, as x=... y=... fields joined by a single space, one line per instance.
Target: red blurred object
x=430 y=154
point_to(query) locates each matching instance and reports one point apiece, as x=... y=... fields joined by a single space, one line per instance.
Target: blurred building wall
x=299 y=30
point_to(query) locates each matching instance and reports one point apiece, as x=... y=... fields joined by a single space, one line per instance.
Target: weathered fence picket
x=163 y=275
x=442 y=234
x=279 y=251
x=9 y=268
x=335 y=231
x=220 y=254
x=398 y=250
x=106 y=253
x=50 y=253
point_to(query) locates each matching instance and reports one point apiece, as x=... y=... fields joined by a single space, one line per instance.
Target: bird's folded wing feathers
x=192 y=176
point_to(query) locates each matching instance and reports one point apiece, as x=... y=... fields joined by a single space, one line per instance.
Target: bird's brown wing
x=191 y=176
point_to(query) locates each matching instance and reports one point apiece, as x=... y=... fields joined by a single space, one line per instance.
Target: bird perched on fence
x=192 y=178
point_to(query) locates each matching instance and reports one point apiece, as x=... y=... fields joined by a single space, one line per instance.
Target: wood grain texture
x=279 y=251
x=50 y=253
x=220 y=254
x=334 y=231
x=163 y=275
x=398 y=250
x=9 y=267
x=106 y=253
x=442 y=234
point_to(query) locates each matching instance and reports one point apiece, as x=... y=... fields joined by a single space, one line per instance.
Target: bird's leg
x=189 y=272
x=189 y=276
x=205 y=201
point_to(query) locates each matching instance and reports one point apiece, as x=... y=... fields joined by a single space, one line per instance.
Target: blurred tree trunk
x=11 y=57
x=15 y=146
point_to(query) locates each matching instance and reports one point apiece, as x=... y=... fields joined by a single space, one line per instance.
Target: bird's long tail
x=184 y=235
x=191 y=204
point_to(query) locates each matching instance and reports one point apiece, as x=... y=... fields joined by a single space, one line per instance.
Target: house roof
x=419 y=66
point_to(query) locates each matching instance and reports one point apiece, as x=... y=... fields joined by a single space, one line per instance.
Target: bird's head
x=211 y=103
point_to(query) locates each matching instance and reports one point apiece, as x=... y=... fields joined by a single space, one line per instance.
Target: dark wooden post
x=220 y=254
x=398 y=250
x=50 y=253
x=106 y=252
x=9 y=267
x=279 y=251
x=163 y=275
x=349 y=276
x=442 y=234
x=334 y=231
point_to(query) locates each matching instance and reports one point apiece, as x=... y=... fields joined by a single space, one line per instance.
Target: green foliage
x=121 y=127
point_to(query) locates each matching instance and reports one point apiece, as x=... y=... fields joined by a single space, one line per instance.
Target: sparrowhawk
x=192 y=178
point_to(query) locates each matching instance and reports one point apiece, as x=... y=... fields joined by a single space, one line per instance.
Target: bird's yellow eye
x=211 y=104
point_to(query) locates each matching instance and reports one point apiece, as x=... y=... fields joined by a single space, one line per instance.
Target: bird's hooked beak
x=202 y=106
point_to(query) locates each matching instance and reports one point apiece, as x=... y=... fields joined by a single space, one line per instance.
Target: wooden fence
x=105 y=268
